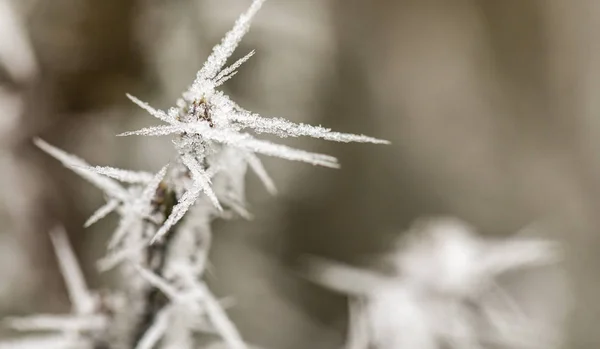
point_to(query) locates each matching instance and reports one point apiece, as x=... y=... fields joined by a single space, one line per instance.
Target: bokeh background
x=492 y=109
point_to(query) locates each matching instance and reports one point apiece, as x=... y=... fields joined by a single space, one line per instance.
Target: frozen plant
x=444 y=292
x=163 y=236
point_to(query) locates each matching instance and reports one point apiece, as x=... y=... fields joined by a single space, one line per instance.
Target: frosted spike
x=285 y=128
x=201 y=179
x=155 y=332
x=229 y=43
x=520 y=253
x=239 y=208
x=224 y=79
x=228 y=72
x=257 y=166
x=157 y=282
x=50 y=322
x=125 y=224
x=138 y=209
x=179 y=210
x=126 y=176
x=150 y=190
x=159 y=114
x=343 y=278
x=163 y=130
x=102 y=212
x=358 y=331
x=219 y=318
x=58 y=341
x=117 y=257
x=79 y=294
x=247 y=142
x=79 y=166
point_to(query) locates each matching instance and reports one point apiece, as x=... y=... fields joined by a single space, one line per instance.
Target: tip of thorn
x=38 y=141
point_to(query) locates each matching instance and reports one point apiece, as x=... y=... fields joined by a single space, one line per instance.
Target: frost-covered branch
x=162 y=239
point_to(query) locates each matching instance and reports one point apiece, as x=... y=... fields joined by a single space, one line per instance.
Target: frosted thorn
x=102 y=212
x=81 y=298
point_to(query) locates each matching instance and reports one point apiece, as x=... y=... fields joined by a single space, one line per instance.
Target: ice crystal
x=445 y=292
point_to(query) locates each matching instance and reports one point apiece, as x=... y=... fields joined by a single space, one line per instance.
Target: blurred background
x=491 y=108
